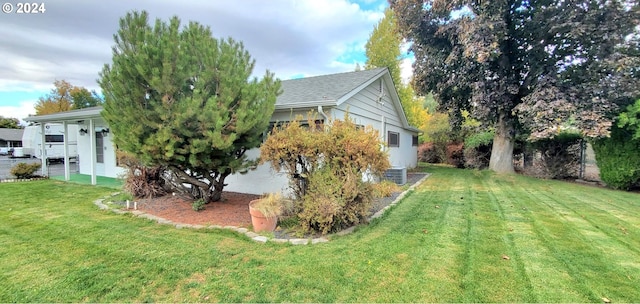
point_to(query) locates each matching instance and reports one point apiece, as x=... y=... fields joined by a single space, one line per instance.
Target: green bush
x=618 y=158
x=479 y=139
x=477 y=150
x=198 y=205
x=24 y=170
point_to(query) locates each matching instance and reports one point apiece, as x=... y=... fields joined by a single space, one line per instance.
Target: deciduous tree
x=540 y=63
x=58 y=100
x=10 y=123
x=82 y=98
x=383 y=50
x=64 y=97
x=177 y=97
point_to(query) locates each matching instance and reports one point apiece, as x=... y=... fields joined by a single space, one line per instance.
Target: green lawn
x=446 y=242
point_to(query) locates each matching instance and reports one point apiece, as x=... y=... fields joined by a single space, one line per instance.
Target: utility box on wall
x=397 y=175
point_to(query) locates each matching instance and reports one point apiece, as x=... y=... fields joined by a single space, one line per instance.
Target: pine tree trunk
x=502 y=151
x=215 y=191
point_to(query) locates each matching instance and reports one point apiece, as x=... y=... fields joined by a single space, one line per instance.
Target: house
x=10 y=138
x=369 y=97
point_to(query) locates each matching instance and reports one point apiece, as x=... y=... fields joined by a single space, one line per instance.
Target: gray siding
x=364 y=104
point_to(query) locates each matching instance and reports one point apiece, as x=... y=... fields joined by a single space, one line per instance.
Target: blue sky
x=72 y=39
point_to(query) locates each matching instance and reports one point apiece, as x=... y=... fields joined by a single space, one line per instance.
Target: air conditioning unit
x=397 y=175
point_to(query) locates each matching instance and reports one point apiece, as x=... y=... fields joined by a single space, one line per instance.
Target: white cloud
x=73 y=39
x=20 y=112
x=286 y=36
x=406 y=70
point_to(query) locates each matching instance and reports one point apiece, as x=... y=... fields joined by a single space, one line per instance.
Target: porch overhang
x=66 y=118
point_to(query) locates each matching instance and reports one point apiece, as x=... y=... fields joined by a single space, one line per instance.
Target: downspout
x=326 y=117
x=383 y=130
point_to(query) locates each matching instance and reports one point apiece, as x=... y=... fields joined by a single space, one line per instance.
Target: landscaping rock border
x=252 y=235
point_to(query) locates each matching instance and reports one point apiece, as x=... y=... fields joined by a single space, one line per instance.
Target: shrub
x=24 y=170
x=140 y=180
x=198 y=205
x=336 y=199
x=618 y=159
x=477 y=150
x=559 y=156
x=455 y=155
x=326 y=166
x=430 y=153
x=385 y=188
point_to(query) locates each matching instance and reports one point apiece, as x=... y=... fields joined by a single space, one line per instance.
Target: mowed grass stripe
x=512 y=254
x=408 y=244
x=604 y=216
x=542 y=268
x=610 y=244
x=445 y=229
x=571 y=240
x=484 y=246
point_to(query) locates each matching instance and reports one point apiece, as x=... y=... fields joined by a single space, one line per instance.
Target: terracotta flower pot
x=261 y=222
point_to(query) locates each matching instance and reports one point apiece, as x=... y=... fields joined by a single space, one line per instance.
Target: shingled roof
x=323 y=88
x=11 y=134
x=296 y=93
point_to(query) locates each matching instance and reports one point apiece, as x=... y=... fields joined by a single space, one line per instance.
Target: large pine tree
x=177 y=97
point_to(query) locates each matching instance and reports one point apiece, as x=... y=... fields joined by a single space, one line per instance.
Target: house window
x=414 y=140
x=99 y=148
x=393 y=139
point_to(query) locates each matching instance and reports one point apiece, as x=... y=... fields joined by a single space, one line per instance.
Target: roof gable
x=324 y=89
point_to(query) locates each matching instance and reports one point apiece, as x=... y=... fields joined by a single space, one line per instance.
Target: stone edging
x=400 y=197
x=252 y=235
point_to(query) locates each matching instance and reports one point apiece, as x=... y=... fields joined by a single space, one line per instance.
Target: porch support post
x=65 y=143
x=43 y=153
x=92 y=145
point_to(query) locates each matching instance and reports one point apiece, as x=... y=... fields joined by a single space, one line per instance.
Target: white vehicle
x=54 y=141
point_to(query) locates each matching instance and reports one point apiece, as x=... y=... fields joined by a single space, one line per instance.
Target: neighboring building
x=10 y=138
x=369 y=97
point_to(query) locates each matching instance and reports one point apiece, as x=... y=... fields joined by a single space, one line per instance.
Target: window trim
x=397 y=136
